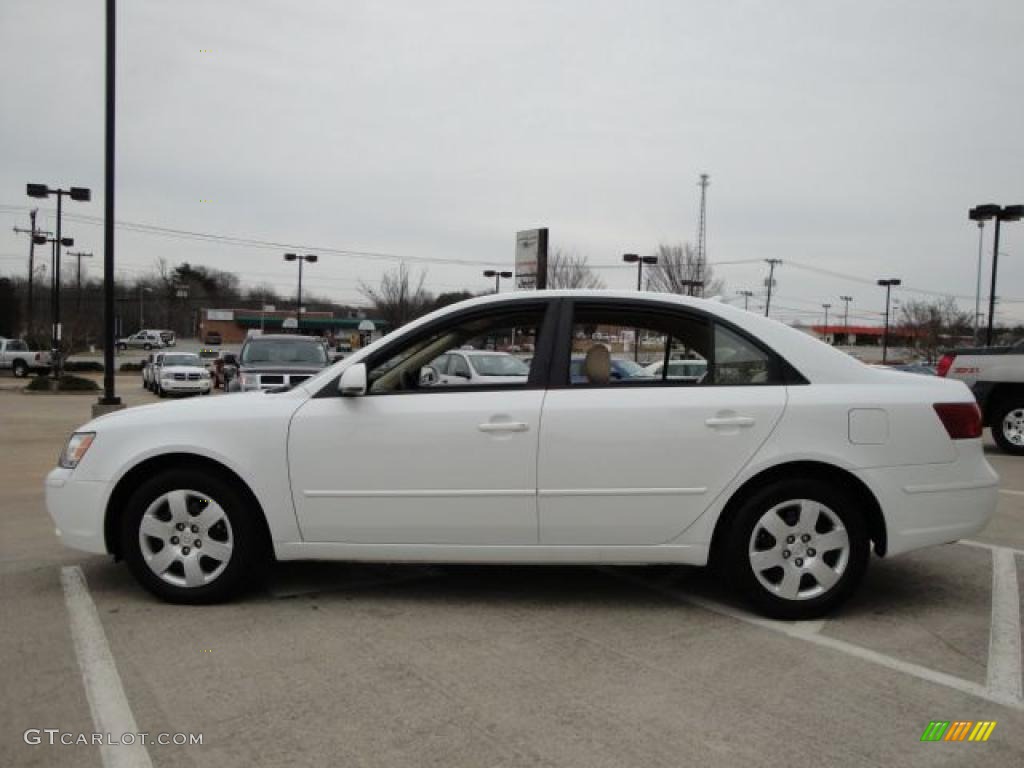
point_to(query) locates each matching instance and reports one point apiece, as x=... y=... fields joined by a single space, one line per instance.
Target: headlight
x=250 y=381
x=75 y=450
x=204 y=374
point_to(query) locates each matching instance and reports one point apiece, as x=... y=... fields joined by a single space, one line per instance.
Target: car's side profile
x=785 y=463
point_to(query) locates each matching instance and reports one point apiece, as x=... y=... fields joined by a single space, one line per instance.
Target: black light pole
x=888 y=284
x=746 y=297
x=497 y=277
x=772 y=263
x=981 y=213
x=827 y=307
x=80 y=194
x=311 y=258
x=109 y=400
x=632 y=258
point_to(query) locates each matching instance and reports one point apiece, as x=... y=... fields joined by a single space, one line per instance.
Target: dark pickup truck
x=278 y=360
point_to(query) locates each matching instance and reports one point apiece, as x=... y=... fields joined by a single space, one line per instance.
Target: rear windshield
x=284 y=351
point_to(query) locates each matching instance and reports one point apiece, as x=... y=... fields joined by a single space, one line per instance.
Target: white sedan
x=786 y=464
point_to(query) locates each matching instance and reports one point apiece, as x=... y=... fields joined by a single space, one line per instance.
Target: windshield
x=499 y=365
x=184 y=359
x=284 y=351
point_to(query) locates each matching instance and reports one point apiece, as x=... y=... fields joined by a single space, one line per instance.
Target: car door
x=636 y=462
x=409 y=463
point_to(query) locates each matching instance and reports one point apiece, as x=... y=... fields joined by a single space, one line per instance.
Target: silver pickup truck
x=996 y=377
x=16 y=356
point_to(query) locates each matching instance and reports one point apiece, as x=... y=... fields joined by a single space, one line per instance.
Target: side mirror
x=353 y=381
x=337 y=358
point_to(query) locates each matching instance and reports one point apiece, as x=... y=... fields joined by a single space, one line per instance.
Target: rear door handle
x=730 y=421
x=504 y=426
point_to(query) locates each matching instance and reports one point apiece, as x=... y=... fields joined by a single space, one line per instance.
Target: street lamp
x=846 y=317
x=887 y=284
x=827 y=307
x=632 y=258
x=981 y=214
x=746 y=297
x=78 y=194
x=497 y=275
x=311 y=258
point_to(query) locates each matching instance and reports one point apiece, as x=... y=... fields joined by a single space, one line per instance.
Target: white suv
x=146 y=340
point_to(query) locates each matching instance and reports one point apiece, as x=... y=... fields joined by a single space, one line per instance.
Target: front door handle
x=729 y=421
x=504 y=426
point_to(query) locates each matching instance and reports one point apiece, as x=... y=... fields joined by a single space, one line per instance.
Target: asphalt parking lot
x=501 y=666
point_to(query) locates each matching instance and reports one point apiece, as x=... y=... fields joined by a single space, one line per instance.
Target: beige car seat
x=597 y=365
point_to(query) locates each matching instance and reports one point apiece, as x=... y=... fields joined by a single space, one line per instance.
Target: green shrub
x=38 y=384
x=130 y=367
x=83 y=365
x=76 y=384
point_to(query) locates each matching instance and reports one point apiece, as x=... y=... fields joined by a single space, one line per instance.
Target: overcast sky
x=846 y=136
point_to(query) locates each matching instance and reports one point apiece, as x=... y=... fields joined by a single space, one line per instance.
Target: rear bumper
x=77 y=508
x=933 y=504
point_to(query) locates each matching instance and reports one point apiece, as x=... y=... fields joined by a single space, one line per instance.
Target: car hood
x=280 y=368
x=210 y=411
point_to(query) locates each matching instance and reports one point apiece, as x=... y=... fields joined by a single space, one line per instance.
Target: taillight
x=961 y=420
x=38 y=357
x=945 y=364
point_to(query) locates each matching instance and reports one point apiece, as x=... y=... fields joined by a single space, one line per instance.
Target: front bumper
x=77 y=509
x=186 y=387
x=932 y=504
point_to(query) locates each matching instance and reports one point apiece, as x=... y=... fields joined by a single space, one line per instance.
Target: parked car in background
x=785 y=466
x=17 y=357
x=149 y=367
x=273 y=361
x=460 y=368
x=995 y=376
x=680 y=370
x=146 y=340
x=212 y=337
x=922 y=369
x=181 y=373
x=169 y=338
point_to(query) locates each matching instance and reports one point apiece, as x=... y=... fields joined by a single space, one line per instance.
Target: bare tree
x=571 y=270
x=399 y=297
x=679 y=271
x=934 y=324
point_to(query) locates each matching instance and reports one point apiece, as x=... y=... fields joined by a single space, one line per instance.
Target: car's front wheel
x=1008 y=427
x=190 y=537
x=797 y=549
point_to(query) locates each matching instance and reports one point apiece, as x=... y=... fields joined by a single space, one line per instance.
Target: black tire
x=147 y=347
x=20 y=369
x=122 y=347
x=809 y=605
x=1003 y=440
x=247 y=562
x=160 y=391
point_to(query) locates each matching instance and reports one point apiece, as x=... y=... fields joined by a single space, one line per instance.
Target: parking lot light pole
x=887 y=284
x=826 y=307
x=497 y=277
x=311 y=258
x=79 y=194
x=746 y=297
x=980 y=214
x=632 y=258
x=846 y=316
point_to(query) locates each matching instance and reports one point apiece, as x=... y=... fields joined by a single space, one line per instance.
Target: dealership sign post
x=532 y=259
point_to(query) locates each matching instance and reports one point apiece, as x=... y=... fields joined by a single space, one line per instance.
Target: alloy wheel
x=799 y=549
x=185 y=538
x=1013 y=426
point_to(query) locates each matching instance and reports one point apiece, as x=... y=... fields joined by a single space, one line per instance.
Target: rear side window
x=738 y=360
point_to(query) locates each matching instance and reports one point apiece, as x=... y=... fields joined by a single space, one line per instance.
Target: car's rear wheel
x=797 y=549
x=190 y=537
x=20 y=369
x=1008 y=426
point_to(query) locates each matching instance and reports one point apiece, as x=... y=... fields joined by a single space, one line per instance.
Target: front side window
x=418 y=365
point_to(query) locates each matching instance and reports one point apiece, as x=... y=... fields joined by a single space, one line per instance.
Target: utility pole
x=31 y=232
x=78 y=295
x=846 y=316
x=702 y=246
x=771 y=282
x=826 y=307
x=746 y=297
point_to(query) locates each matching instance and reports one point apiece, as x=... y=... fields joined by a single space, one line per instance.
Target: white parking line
x=801 y=632
x=1004 y=666
x=1008 y=492
x=107 y=701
